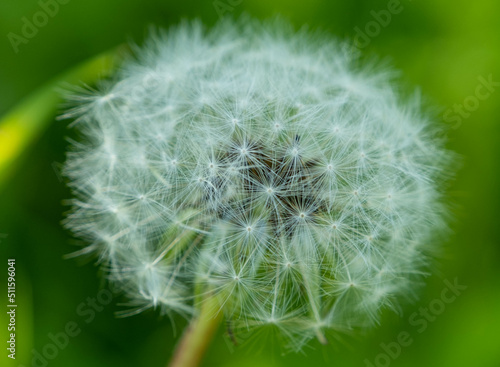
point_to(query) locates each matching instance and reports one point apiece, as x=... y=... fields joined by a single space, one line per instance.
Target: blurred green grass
x=440 y=46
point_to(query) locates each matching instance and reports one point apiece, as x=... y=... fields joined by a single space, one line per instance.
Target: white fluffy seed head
x=260 y=167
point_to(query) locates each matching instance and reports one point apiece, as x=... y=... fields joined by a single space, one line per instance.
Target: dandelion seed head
x=262 y=167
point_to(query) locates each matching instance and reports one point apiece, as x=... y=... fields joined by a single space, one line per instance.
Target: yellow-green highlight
x=20 y=127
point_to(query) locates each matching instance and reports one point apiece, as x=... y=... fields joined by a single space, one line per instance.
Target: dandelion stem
x=197 y=337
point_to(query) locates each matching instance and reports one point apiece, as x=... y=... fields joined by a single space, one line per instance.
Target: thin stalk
x=197 y=337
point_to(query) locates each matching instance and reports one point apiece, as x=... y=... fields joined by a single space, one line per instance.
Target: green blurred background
x=442 y=46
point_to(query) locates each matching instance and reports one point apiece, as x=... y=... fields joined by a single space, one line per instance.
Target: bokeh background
x=444 y=47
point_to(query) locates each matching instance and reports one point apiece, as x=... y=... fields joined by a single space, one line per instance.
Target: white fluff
x=261 y=167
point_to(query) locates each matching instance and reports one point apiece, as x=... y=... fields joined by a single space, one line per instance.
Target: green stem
x=197 y=337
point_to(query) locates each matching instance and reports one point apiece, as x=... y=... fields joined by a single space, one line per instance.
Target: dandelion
x=257 y=175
